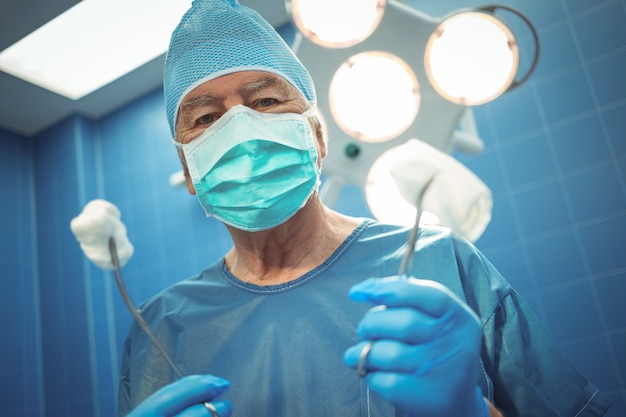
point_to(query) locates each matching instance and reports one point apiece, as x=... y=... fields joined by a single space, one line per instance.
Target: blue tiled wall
x=555 y=159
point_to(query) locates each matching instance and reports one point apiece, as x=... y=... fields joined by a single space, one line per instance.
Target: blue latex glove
x=186 y=398
x=426 y=351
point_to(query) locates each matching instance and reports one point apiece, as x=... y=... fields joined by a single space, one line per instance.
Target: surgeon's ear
x=320 y=136
x=188 y=181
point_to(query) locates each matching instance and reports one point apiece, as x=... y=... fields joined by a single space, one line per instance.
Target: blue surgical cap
x=219 y=37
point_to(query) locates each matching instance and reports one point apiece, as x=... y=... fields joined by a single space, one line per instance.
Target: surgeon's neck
x=290 y=250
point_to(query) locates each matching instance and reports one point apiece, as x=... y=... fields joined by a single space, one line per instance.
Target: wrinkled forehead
x=241 y=84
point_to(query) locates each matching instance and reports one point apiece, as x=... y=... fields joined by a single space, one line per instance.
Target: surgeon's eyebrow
x=264 y=83
x=200 y=100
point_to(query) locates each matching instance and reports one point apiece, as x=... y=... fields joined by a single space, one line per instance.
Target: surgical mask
x=252 y=170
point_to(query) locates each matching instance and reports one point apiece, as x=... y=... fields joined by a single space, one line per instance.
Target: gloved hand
x=426 y=350
x=186 y=398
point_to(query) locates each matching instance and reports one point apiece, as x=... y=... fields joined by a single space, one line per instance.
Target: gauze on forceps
x=93 y=227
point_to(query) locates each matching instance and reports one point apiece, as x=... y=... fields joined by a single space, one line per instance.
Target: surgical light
x=336 y=23
x=473 y=57
x=374 y=96
x=355 y=117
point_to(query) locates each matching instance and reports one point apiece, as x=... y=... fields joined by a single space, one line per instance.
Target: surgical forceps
x=117 y=272
x=402 y=270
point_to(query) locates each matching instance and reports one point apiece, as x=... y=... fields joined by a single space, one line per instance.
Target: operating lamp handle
x=492 y=10
x=134 y=310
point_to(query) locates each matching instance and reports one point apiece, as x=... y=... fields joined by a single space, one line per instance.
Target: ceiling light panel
x=93 y=44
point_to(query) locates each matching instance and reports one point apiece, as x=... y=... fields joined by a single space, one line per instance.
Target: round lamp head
x=336 y=23
x=471 y=58
x=374 y=96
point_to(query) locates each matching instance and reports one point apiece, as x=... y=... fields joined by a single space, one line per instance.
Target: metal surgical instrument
x=410 y=244
x=402 y=270
x=117 y=272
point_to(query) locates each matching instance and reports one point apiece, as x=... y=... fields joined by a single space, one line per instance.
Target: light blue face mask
x=252 y=170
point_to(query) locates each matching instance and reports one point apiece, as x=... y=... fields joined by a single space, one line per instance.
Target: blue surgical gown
x=281 y=346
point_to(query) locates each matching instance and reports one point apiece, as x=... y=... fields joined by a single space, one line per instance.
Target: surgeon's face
x=261 y=91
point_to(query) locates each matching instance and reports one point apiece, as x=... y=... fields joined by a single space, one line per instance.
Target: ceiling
x=27 y=109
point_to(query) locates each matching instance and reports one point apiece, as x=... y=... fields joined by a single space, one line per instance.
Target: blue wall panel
x=61 y=170
x=21 y=370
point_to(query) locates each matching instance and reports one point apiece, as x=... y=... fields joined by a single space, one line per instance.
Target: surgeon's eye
x=266 y=102
x=207 y=119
